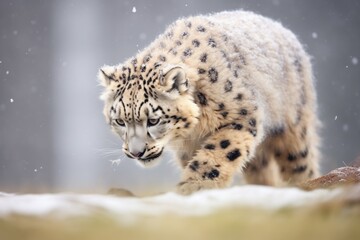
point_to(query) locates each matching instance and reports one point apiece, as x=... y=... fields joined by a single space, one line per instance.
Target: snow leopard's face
x=147 y=109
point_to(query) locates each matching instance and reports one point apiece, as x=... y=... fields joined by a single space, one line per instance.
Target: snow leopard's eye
x=153 y=121
x=120 y=122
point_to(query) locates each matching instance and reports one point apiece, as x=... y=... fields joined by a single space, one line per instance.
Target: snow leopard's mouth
x=151 y=156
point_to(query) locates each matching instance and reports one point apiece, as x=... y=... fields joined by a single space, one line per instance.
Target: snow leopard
x=230 y=92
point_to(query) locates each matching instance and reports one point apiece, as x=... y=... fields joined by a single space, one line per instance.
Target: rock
x=338 y=177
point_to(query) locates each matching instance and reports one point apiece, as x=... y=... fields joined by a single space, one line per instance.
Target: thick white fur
x=241 y=68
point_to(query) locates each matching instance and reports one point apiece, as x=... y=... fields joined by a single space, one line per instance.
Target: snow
x=314 y=35
x=335 y=117
x=28 y=51
x=134 y=10
x=7 y=72
x=11 y=100
x=354 y=60
x=200 y=203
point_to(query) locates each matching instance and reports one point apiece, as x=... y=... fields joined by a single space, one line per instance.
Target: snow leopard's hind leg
x=297 y=155
x=262 y=169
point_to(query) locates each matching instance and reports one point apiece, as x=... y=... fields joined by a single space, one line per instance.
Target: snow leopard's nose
x=137 y=147
x=138 y=154
x=137 y=141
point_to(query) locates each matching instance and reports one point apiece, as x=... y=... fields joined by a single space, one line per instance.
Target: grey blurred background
x=52 y=133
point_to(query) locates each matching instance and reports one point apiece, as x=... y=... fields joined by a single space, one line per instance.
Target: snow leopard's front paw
x=190 y=186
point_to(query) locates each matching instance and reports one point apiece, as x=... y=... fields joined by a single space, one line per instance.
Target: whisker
x=116 y=161
x=106 y=152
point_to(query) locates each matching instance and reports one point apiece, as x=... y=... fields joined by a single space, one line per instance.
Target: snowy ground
x=243 y=212
x=201 y=203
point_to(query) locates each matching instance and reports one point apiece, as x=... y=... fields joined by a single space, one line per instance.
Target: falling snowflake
x=335 y=117
x=11 y=100
x=134 y=9
x=28 y=51
x=35 y=170
x=7 y=72
x=354 y=60
x=314 y=35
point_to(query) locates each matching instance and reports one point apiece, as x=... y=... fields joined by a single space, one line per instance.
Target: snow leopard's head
x=147 y=106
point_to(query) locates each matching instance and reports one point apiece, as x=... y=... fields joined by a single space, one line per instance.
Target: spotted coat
x=229 y=91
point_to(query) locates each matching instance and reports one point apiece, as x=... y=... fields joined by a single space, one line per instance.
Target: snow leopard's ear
x=173 y=80
x=107 y=75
